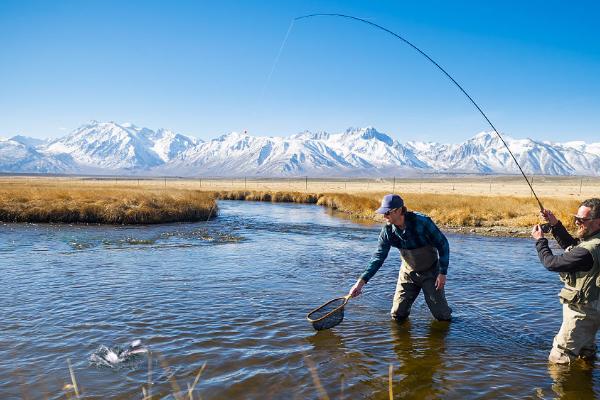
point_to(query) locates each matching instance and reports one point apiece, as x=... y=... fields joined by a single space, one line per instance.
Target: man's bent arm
x=576 y=260
x=562 y=237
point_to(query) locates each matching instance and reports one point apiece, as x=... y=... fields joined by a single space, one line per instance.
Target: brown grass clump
x=276 y=197
x=104 y=206
x=357 y=206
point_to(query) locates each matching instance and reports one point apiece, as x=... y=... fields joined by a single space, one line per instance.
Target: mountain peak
x=308 y=135
x=369 y=133
x=28 y=141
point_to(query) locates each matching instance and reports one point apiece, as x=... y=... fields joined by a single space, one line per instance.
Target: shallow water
x=234 y=292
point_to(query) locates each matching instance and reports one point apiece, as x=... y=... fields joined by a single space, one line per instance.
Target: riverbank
x=482 y=215
x=78 y=200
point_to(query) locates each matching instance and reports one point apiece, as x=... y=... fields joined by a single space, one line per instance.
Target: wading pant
x=577 y=334
x=408 y=287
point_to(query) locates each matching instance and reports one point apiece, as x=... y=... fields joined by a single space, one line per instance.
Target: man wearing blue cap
x=425 y=254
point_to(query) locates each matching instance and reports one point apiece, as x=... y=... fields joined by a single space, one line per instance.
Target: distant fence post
x=394 y=186
x=306 y=183
x=165 y=182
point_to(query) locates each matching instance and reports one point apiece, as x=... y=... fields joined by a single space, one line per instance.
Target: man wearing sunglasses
x=424 y=252
x=579 y=269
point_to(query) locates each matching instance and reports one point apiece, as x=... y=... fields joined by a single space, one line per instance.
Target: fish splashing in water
x=118 y=356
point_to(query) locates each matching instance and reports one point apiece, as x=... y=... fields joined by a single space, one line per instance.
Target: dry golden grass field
x=450 y=201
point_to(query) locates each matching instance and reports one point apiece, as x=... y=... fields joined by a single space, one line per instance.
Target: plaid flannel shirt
x=419 y=230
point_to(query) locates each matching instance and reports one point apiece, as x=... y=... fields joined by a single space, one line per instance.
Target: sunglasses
x=387 y=213
x=581 y=220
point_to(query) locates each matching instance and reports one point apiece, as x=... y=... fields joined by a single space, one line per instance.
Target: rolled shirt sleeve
x=383 y=248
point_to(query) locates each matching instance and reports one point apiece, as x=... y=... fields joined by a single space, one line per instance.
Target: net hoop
x=313 y=321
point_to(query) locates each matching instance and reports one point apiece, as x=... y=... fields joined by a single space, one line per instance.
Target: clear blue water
x=234 y=292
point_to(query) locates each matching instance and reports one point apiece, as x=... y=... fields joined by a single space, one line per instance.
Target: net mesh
x=328 y=315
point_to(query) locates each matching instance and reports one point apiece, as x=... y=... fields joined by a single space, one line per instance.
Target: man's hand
x=549 y=217
x=357 y=288
x=440 y=282
x=537 y=233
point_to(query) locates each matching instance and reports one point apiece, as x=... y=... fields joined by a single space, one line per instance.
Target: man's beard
x=582 y=232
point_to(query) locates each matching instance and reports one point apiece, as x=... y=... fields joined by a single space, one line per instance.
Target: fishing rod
x=445 y=73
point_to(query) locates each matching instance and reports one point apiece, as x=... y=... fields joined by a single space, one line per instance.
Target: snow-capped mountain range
x=125 y=149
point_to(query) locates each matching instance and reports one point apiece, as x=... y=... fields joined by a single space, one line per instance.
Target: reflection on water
x=573 y=382
x=421 y=360
x=234 y=292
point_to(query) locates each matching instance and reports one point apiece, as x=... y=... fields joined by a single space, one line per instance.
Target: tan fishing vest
x=583 y=287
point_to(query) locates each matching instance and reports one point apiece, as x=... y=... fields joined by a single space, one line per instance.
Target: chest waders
x=419 y=259
x=583 y=287
x=419 y=272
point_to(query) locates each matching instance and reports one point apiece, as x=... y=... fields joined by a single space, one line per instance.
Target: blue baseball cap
x=390 y=202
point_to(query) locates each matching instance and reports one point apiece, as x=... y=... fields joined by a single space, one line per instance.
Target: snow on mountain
x=111 y=146
x=242 y=154
x=368 y=147
x=18 y=157
x=307 y=135
x=485 y=153
x=168 y=144
x=581 y=146
x=108 y=147
x=29 y=141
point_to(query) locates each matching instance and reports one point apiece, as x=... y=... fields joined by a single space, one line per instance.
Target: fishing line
x=276 y=61
x=441 y=69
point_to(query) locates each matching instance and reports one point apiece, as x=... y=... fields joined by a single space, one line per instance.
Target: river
x=234 y=292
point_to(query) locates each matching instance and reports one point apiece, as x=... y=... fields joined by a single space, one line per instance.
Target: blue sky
x=202 y=68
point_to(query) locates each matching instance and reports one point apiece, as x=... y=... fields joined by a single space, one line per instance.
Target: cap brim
x=382 y=210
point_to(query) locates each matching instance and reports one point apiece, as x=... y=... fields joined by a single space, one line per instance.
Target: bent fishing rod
x=441 y=69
